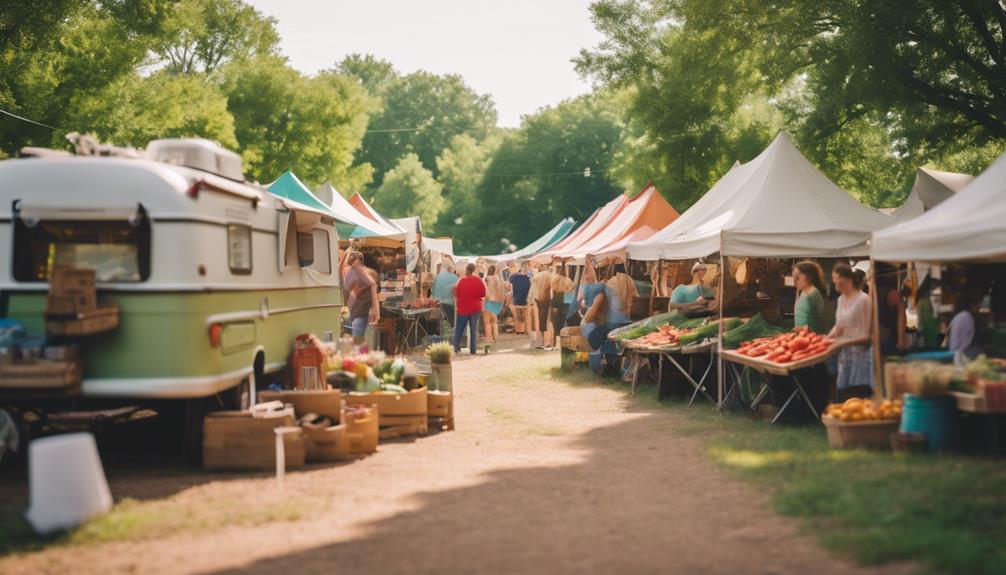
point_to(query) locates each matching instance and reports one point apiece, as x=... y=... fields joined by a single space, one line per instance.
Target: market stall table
x=638 y=354
x=767 y=368
x=409 y=325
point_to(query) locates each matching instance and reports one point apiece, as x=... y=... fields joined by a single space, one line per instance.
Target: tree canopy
x=536 y=177
x=419 y=113
x=871 y=88
x=409 y=189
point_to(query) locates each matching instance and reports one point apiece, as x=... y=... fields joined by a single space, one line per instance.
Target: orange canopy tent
x=612 y=227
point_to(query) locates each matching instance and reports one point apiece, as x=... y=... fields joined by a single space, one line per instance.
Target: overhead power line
x=392 y=130
x=29 y=120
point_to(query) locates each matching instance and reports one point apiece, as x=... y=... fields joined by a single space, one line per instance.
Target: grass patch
x=505 y=414
x=947 y=513
x=545 y=430
x=132 y=520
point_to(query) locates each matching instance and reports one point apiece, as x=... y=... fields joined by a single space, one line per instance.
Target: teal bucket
x=933 y=416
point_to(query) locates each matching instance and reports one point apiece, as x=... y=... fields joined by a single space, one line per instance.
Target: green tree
x=134 y=110
x=871 y=88
x=284 y=120
x=409 y=189
x=371 y=72
x=202 y=35
x=421 y=112
x=462 y=167
x=54 y=54
x=536 y=176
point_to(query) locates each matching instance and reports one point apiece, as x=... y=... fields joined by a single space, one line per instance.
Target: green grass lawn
x=948 y=513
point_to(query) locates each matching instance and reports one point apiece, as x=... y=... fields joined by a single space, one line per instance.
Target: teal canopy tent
x=351 y=224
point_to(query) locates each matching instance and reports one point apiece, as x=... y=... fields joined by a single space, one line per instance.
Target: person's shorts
x=359 y=326
x=494 y=307
x=542 y=314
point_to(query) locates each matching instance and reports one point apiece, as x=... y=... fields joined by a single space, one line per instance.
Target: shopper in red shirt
x=469 y=294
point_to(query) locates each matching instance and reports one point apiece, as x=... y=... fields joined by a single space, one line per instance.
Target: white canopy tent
x=970 y=226
x=931 y=187
x=349 y=214
x=776 y=205
x=413 y=234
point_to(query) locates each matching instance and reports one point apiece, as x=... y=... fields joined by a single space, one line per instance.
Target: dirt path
x=539 y=477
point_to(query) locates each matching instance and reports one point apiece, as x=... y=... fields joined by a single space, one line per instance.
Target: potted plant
x=440 y=355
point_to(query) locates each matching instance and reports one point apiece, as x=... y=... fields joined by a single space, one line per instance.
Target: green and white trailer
x=213 y=276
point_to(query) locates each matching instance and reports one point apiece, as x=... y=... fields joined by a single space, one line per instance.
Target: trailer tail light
x=216 y=333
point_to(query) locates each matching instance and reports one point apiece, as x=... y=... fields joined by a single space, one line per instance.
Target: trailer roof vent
x=198 y=154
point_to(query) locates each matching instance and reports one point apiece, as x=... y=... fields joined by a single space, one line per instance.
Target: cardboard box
x=71 y=290
x=327 y=403
x=362 y=429
x=403 y=426
x=440 y=404
x=325 y=444
x=235 y=440
x=391 y=404
x=84 y=322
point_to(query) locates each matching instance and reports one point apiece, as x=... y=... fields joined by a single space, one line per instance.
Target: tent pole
x=653 y=288
x=724 y=268
x=878 y=370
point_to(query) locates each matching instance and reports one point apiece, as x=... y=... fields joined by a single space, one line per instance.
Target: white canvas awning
x=349 y=214
x=776 y=205
x=931 y=188
x=413 y=231
x=970 y=226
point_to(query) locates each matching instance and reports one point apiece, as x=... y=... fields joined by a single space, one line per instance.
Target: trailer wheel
x=193 y=413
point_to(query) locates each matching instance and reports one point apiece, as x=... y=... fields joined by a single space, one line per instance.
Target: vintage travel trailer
x=213 y=276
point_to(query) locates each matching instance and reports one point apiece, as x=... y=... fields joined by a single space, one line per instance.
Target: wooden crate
x=974 y=403
x=234 y=440
x=868 y=434
x=391 y=404
x=41 y=374
x=71 y=290
x=327 y=402
x=441 y=411
x=439 y=403
x=574 y=343
x=403 y=426
x=326 y=444
x=98 y=320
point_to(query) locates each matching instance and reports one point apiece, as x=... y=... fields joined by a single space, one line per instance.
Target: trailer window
x=118 y=251
x=239 y=248
x=322 y=251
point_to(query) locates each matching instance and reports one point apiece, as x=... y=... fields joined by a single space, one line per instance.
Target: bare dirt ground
x=539 y=477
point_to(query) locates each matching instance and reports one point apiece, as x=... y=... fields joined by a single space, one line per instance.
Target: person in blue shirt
x=590 y=287
x=693 y=296
x=442 y=284
x=520 y=287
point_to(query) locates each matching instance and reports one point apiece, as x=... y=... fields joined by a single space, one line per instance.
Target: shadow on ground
x=637 y=501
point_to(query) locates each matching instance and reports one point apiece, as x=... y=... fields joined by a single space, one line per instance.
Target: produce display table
x=408 y=324
x=972 y=403
x=637 y=354
x=793 y=370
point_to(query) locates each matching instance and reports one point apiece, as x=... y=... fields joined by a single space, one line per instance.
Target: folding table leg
x=691 y=380
x=806 y=398
x=785 y=405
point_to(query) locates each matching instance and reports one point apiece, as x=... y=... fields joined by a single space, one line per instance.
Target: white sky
x=517 y=51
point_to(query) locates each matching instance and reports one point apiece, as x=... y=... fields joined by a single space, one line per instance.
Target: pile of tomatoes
x=665 y=335
x=798 y=344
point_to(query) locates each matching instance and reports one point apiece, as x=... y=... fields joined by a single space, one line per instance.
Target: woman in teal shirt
x=808 y=278
x=692 y=296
